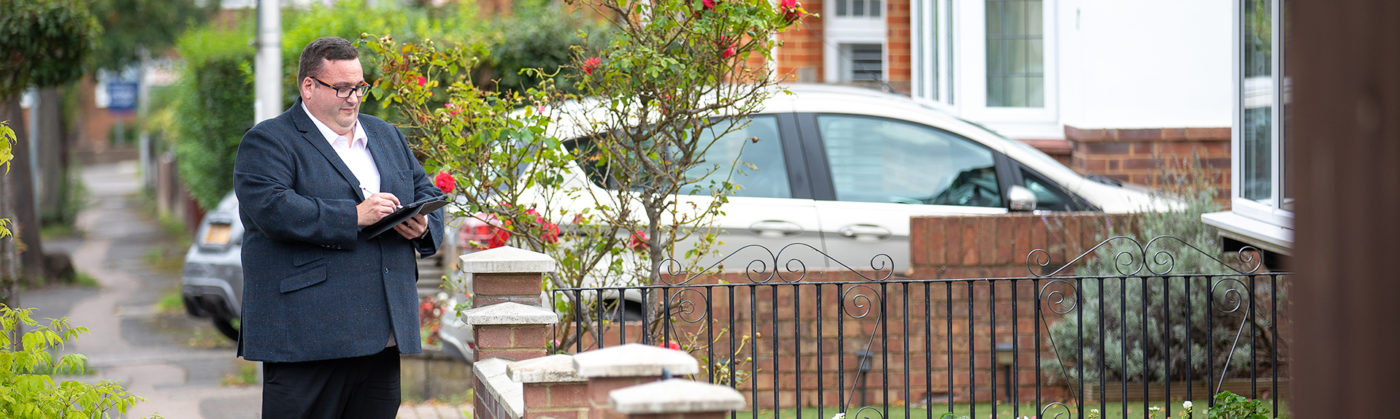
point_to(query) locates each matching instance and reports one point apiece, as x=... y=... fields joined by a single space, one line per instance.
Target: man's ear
x=305 y=87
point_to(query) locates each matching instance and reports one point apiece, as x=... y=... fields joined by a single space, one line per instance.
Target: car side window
x=759 y=171
x=1047 y=195
x=884 y=160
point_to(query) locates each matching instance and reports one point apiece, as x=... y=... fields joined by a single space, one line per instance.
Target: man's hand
x=412 y=228
x=375 y=207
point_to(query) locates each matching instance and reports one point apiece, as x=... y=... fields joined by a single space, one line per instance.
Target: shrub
x=27 y=391
x=1162 y=261
x=214 y=107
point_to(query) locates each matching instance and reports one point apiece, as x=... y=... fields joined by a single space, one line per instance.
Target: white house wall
x=1145 y=63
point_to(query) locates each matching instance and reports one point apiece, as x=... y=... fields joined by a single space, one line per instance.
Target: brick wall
x=897 y=44
x=800 y=56
x=1148 y=156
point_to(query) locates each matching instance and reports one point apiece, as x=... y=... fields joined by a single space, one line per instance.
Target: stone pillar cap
x=505 y=314
x=549 y=369
x=634 y=360
x=675 y=396
x=506 y=259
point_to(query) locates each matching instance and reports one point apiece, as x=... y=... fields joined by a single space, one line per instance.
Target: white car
x=842 y=169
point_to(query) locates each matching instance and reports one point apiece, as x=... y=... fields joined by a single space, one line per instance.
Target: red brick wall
x=1147 y=156
x=897 y=45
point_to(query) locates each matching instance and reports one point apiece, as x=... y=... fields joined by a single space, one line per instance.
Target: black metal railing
x=865 y=343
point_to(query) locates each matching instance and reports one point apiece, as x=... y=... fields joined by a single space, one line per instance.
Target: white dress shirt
x=355 y=153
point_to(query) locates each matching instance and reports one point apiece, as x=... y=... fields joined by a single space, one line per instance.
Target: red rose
x=728 y=52
x=422 y=81
x=671 y=345
x=792 y=10
x=709 y=4
x=638 y=241
x=591 y=64
x=445 y=182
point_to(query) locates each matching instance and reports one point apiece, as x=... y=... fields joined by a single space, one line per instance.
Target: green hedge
x=213 y=108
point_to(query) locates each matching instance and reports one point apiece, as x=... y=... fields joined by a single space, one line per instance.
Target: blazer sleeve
x=265 y=178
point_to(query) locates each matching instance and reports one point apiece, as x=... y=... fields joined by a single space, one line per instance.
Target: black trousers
x=361 y=387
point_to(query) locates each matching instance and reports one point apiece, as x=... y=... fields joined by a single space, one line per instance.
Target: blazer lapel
x=380 y=150
x=312 y=135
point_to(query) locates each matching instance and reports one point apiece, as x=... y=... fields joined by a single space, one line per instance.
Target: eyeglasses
x=344 y=92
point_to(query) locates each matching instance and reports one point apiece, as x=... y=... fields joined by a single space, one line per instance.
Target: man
x=329 y=312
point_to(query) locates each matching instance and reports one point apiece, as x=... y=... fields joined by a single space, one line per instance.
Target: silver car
x=211 y=283
x=841 y=170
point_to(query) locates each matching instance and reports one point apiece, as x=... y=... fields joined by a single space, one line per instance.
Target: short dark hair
x=328 y=48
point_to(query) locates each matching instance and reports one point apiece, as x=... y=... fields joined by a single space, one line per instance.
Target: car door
x=882 y=171
x=771 y=216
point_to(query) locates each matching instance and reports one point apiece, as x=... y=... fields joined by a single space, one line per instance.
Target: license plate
x=217 y=234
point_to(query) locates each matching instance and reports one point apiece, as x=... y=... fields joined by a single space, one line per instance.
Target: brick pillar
x=626 y=366
x=506 y=274
x=676 y=399
x=510 y=331
x=552 y=388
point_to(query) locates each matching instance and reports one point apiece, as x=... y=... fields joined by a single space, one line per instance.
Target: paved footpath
x=129 y=341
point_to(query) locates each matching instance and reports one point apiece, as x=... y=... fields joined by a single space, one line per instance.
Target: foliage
x=7 y=137
x=541 y=36
x=1233 y=406
x=135 y=26
x=213 y=108
x=44 y=43
x=453 y=24
x=673 y=77
x=1124 y=303
x=27 y=393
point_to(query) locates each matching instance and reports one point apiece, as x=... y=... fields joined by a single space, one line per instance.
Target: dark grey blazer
x=312 y=289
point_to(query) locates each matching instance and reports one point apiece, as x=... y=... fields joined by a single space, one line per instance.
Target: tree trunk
x=24 y=219
x=52 y=179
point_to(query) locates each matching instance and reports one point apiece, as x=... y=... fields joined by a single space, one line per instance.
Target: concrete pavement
x=129 y=341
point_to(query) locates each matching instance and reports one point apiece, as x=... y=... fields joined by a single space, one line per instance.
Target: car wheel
x=228 y=327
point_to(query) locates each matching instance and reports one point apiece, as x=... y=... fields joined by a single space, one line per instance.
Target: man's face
x=336 y=112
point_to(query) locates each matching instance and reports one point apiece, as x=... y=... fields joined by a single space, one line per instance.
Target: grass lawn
x=984 y=410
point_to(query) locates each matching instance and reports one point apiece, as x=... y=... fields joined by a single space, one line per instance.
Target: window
x=858 y=8
x=989 y=61
x=931 y=58
x=853 y=47
x=1015 y=54
x=1261 y=212
x=862 y=62
x=1259 y=138
x=1047 y=195
x=760 y=170
x=882 y=160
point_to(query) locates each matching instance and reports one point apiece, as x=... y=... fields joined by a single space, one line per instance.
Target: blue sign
x=121 y=96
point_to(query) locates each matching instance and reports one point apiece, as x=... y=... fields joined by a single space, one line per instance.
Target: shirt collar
x=331 y=136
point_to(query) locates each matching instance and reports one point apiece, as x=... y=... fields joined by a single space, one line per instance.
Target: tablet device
x=423 y=206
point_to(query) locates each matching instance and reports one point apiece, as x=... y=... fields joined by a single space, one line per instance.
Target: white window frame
x=1270 y=212
x=852 y=30
x=931 y=37
x=967 y=49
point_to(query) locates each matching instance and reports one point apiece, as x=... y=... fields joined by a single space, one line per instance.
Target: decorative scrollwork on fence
x=1133 y=257
x=1064 y=410
x=858 y=298
x=763 y=270
x=867 y=412
x=1055 y=298
x=684 y=308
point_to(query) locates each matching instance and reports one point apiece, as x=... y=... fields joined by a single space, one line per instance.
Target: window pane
x=760 y=172
x=1047 y=195
x=881 y=160
x=1256 y=125
x=875 y=9
x=1015 y=55
x=862 y=62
